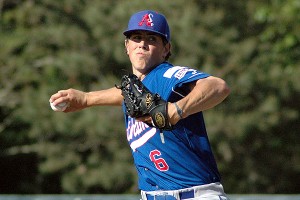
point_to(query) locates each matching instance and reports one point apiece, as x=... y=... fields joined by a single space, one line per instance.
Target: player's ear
x=126 y=44
x=167 y=49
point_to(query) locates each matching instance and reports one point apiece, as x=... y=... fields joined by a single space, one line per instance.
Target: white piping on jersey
x=196 y=74
x=177 y=92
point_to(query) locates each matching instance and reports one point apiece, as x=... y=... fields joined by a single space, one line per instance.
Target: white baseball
x=60 y=107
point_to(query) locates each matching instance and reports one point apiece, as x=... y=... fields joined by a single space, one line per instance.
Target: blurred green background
x=48 y=45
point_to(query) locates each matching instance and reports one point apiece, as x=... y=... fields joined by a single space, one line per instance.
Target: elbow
x=224 y=89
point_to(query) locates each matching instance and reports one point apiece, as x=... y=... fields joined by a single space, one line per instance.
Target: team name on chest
x=135 y=129
x=138 y=133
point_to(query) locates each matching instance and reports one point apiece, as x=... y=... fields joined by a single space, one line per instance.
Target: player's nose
x=143 y=43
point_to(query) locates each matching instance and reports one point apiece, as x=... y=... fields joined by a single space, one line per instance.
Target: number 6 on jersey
x=160 y=163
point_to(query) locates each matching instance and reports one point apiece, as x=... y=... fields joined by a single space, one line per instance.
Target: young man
x=182 y=166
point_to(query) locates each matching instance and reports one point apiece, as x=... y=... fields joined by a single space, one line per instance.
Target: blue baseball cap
x=148 y=20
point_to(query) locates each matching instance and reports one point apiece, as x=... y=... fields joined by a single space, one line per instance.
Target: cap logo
x=147 y=19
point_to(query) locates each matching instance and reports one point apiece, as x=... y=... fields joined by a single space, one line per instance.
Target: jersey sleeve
x=181 y=75
x=169 y=81
x=176 y=78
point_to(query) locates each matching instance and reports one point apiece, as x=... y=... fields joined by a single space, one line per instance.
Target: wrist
x=87 y=101
x=178 y=110
x=172 y=113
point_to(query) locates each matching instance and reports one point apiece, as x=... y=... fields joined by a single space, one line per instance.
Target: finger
x=58 y=97
x=63 y=93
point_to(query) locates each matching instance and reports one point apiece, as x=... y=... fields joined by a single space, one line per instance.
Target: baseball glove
x=139 y=102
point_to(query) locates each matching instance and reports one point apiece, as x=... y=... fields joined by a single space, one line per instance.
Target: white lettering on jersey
x=180 y=74
x=136 y=128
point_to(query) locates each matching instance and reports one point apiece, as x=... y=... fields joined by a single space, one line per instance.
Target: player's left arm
x=204 y=94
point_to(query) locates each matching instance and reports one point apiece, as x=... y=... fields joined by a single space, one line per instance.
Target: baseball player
x=172 y=153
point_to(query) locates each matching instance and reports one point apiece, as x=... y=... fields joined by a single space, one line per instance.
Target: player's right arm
x=79 y=100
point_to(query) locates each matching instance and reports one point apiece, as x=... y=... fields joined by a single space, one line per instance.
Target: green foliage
x=260 y=127
x=49 y=45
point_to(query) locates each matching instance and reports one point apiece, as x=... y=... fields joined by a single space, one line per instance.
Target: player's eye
x=136 y=37
x=149 y=38
x=152 y=38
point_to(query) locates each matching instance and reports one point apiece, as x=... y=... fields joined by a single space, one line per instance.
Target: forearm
x=205 y=94
x=79 y=100
x=109 y=97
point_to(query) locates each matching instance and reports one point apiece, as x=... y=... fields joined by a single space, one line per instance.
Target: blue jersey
x=183 y=157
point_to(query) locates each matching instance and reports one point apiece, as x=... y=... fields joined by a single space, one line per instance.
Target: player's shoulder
x=174 y=74
x=167 y=69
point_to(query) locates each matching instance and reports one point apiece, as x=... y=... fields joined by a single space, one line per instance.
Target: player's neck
x=141 y=74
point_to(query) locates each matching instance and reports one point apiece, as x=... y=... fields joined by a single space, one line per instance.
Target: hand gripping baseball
x=139 y=101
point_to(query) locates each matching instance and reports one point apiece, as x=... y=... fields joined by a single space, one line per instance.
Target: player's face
x=146 y=50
